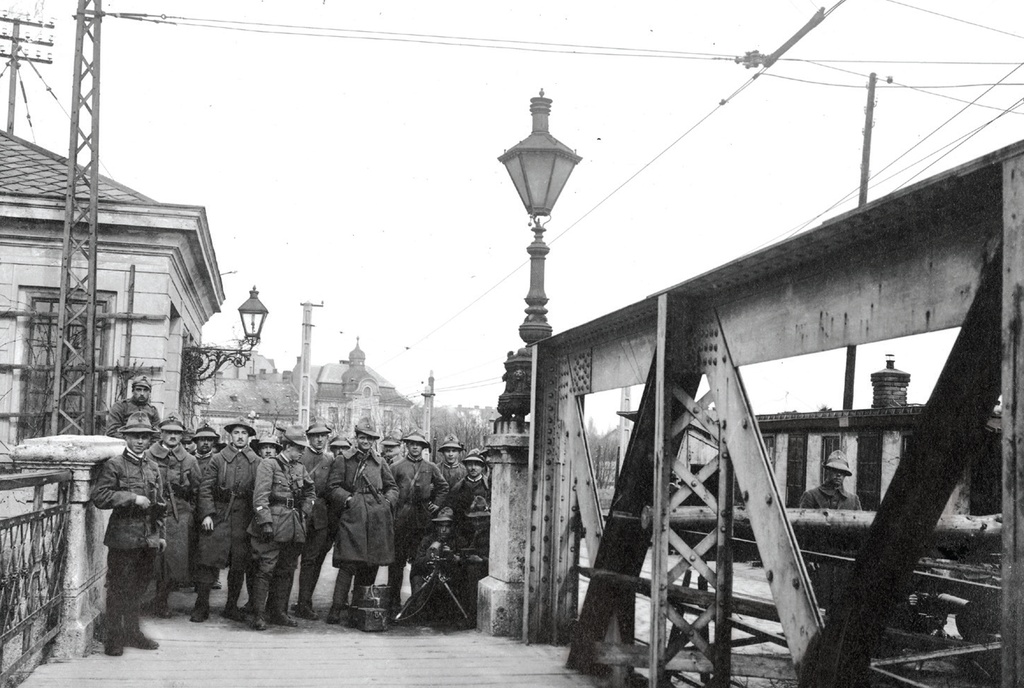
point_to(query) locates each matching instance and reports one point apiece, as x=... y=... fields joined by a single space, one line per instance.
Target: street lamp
x=539 y=166
x=200 y=363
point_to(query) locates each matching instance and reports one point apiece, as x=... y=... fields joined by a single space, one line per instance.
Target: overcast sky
x=359 y=169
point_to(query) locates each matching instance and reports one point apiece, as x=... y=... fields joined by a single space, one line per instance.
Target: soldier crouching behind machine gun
x=282 y=500
x=435 y=568
x=131 y=486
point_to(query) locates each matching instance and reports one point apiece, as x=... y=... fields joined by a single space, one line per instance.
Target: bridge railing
x=33 y=552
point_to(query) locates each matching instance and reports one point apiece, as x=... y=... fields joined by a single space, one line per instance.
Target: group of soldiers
x=187 y=505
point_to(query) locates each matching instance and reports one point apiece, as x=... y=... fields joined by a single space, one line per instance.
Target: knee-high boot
x=231 y=610
x=307 y=584
x=277 y=607
x=260 y=590
x=396 y=573
x=201 y=610
x=339 y=602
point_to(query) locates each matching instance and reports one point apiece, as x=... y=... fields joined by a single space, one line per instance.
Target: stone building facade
x=347 y=391
x=157 y=277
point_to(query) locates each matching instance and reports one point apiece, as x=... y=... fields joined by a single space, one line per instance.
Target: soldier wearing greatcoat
x=138 y=402
x=451 y=467
x=320 y=532
x=130 y=485
x=363 y=491
x=225 y=507
x=421 y=491
x=463 y=494
x=282 y=500
x=180 y=475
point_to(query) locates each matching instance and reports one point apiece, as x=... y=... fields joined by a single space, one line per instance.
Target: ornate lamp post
x=540 y=166
x=204 y=361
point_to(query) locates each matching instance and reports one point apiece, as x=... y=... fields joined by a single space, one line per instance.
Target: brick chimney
x=889 y=385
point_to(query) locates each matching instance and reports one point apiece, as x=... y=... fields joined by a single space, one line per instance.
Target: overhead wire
x=28 y=114
x=956 y=19
x=854 y=192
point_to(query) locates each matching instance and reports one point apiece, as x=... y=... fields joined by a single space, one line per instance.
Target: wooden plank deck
x=221 y=654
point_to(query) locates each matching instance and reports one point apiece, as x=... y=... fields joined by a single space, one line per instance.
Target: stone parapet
x=85 y=563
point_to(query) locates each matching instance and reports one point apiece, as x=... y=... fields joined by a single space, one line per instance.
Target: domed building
x=344 y=392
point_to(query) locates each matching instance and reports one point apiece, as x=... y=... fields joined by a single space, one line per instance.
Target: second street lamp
x=539 y=166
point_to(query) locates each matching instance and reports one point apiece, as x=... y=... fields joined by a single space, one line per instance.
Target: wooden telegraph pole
x=304 y=361
x=428 y=410
x=18 y=53
x=865 y=169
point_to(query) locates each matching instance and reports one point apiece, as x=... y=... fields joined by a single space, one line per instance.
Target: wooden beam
x=1013 y=423
x=776 y=542
x=660 y=532
x=778 y=667
x=818 y=525
x=949 y=436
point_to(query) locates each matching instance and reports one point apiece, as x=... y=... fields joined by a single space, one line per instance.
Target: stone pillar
x=86 y=558
x=500 y=595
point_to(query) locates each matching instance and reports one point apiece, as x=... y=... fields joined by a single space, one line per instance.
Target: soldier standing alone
x=130 y=485
x=225 y=506
x=282 y=500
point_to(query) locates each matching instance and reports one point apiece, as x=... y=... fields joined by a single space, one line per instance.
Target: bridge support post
x=85 y=563
x=500 y=596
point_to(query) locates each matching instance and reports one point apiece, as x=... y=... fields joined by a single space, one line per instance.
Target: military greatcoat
x=452 y=473
x=179 y=471
x=225 y=494
x=366 y=526
x=121 y=479
x=420 y=484
x=118 y=413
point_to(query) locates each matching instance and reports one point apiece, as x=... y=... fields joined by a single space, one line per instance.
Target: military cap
x=171 y=424
x=240 y=423
x=451 y=442
x=206 y=432
x=479 y=508
x=837 y=462
x=365 y=427
x=340 y=441
x=187 y=435
x=294 y=434
x=267 y=438
x=317 y=427
x=445 y=515
x=137 y=424
x=416 y=437
x=474 y=456
x=390 y=440
x=141 y=381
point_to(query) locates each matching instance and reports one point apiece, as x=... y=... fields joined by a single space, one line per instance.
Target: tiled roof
x=26 y=168
x=265 y=397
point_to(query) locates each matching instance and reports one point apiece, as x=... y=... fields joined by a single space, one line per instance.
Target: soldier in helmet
x=316 y=445
x=188 y=441
x=225 y=507
x=320 y=529
x=338 y=445
x=421 y=491
x=138 y=402
x=830 y=494
x=283 y=498
x=130 y=485
x=362 y=491
x=391 y=449
x=180 y=475
x=450 y=465
x=268 y=446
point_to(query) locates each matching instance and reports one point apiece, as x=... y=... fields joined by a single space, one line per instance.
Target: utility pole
x=428 y=405
x=865 y=174
x=17 y=53
x=304 y=361
x=624 y=430
x=74 y=355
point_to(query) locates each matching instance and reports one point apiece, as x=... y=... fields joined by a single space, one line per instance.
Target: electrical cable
x=28 y=115
x=956 y=19
x=854 y=192
x=430 y=39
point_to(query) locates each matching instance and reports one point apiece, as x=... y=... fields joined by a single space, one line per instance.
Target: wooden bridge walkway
x=222 y=654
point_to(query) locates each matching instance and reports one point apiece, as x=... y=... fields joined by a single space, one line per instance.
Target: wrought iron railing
x=33 y=548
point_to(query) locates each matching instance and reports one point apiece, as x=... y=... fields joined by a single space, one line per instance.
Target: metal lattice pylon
x=74 y=357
